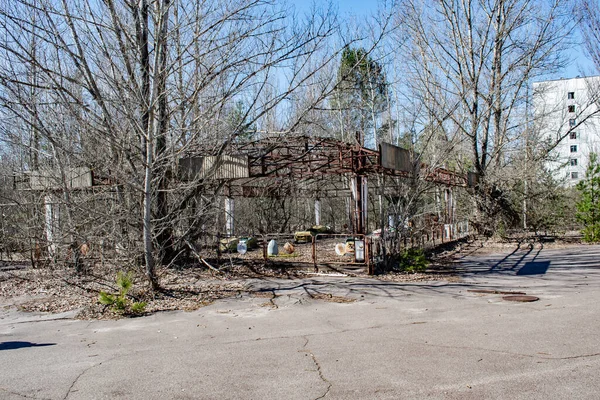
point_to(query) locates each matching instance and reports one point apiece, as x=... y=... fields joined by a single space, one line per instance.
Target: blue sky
x=580 y=66
x=357 y=7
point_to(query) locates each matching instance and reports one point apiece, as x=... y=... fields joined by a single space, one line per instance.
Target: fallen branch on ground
x=196 y=253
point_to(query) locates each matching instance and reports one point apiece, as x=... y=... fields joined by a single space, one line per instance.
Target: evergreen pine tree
x=588 y=207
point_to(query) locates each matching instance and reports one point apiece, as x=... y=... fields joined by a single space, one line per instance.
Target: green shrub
x=412 y=260
x=124 y=281
x=138 y=307
x=588 y=207
x=107 y=299
x=119 y=302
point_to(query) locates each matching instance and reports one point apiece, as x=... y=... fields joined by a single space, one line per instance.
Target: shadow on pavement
x=354 y=288
x=534 y=268
x=20 y=345
x=555 y=269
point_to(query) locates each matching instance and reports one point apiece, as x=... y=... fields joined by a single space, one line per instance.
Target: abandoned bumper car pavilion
x=303 y=201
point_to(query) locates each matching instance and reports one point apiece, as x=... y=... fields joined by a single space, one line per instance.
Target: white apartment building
x=566 y=112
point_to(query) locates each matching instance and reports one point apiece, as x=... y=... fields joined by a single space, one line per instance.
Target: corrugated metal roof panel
x=77 y=178
x=214 y=167
x=397 y=158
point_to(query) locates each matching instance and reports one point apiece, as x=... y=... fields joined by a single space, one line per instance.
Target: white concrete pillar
x=50 y=219
x=229 y=214
x=450 y=207
x=391 y=222
x=317 y=212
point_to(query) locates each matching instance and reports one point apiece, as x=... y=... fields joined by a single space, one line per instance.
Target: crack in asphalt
x=37 y=321
x=574 y=357
x=75 y=381
x=272 y=300
x=318 y=366
x=85 y=371
x=23 y=395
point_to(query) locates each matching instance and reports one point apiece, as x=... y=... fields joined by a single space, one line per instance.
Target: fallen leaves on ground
x=60 y=290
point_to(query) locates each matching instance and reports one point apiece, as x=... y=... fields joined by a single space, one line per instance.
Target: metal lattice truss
x=278 y=167
x=307 y=166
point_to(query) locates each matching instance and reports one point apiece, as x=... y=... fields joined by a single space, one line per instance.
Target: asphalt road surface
x=437 y=340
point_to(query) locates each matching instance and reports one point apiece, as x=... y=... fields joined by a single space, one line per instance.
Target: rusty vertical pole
x=370 y=269
x=357 y=188
x=358 y=204
x=314 y=252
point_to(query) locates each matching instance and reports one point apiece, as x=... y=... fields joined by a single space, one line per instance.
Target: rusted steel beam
x=304 y=157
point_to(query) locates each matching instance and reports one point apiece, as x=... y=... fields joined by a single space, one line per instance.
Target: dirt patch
x=263 y=295
x=271 y=296
x=331 y=298
x=60 y=290
x=418 y=277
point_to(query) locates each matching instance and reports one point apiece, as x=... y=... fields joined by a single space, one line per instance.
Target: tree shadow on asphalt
x=524 y=263
x=356 y=287
x=528 y=262
x=534 y=268
x=550 y=268
x=20 y=345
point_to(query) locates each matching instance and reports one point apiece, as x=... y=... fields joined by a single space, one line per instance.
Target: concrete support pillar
x=51 y=216
x=449 y=205
x=229 y=215
x=317 y=212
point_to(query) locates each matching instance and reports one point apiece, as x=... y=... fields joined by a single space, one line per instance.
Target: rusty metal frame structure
x=286 y=161
x=311 y=158
x=306 y=157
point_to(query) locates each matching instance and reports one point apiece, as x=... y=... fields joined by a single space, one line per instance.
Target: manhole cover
x=521 y=298
x=491 y=291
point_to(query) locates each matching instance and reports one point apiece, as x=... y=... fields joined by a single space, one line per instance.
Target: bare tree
x=127 y=88
x=589 y=23
x=471 y=64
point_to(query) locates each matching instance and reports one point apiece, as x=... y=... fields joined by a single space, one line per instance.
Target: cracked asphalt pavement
x=396 y=340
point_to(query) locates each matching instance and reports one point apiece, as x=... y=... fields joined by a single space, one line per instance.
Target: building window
x=571 y=95
x=573 y=162
x=571 y=108
x=574 y=175
x=574 y=148
x=572 y=122
x=573 y=135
